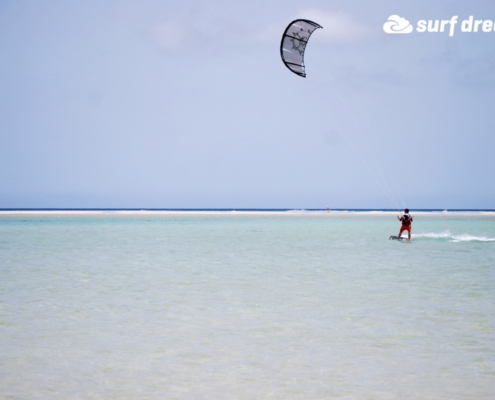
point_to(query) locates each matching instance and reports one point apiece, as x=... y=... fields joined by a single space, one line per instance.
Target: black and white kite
x=293 y=45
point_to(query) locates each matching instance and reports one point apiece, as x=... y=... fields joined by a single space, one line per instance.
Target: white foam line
x=465 y=237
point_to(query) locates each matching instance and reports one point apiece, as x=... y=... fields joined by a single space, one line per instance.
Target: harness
x=406 y=220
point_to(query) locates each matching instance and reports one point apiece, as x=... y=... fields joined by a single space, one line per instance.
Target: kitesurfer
x=406 y=220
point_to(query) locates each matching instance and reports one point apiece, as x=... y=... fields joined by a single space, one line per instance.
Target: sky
x=165 y=104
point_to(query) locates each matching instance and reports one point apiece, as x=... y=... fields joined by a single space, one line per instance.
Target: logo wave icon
x=396 y=24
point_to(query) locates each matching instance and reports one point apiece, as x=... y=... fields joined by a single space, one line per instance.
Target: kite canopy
x=293 y=45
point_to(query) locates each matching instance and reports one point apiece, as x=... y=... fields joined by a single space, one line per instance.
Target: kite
x=293 y=45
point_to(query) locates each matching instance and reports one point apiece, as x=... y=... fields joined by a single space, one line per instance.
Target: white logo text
x=396 y=24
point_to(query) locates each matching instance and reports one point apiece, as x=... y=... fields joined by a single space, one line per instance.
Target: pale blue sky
x=187 y=104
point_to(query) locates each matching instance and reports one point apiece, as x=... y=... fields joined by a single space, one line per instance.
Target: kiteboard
x=397 y=238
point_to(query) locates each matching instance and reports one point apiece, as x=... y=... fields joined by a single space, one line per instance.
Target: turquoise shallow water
x=246 y=307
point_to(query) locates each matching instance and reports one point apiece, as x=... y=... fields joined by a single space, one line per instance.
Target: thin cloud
x=212 y=36
x=167 y=35
x=337 y=26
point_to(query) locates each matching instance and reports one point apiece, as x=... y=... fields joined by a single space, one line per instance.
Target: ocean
x=287 y=305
